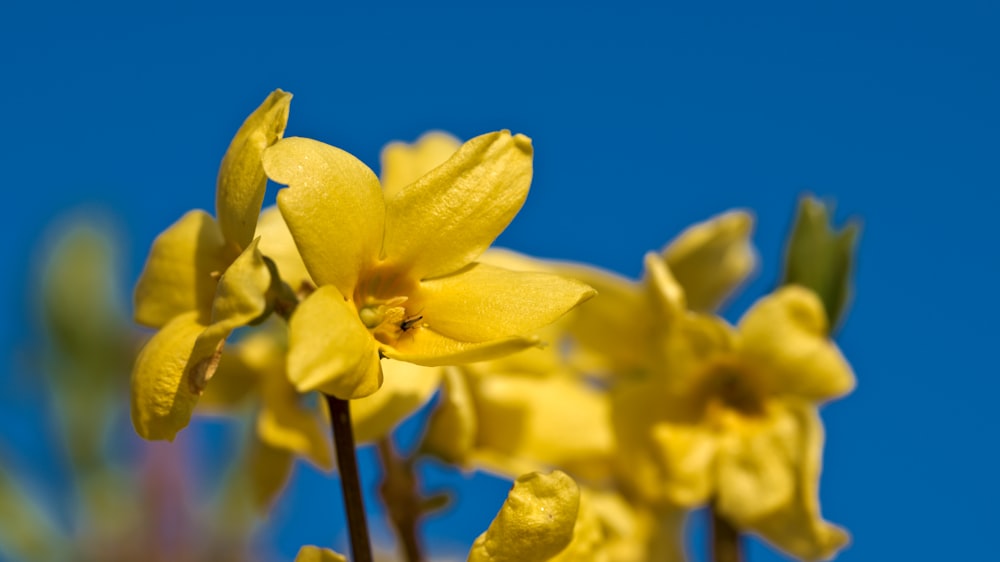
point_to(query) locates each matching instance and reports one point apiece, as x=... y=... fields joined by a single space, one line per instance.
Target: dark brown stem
x=726 y=545
x=350 y=479
x=399 y=493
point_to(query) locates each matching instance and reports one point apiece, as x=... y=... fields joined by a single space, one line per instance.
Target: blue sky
x=644 y=119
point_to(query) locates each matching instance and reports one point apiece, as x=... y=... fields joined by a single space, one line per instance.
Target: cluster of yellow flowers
x=616 y=415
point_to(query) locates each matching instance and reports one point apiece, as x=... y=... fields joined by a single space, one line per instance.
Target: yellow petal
x=426 y=347
x=270 y=469
x=483 y=302
x=232 y=385
x=181 y=271
x=614 y=329
x=294 y=422
x=241 y=296
x=798 y=528
x=785 y=334
x=664 y=291
x=403 y=164
x=535 y=523
x=448 y=217
x=711 y=259
x=241 y=183
x=333 y=207
x=451 y=429
x=688 y=454
x=544 y=422
x=169 y=375
x=316 y=554
x=330 y=350
x=405 y=388
x=756 y=470
x=276 y=242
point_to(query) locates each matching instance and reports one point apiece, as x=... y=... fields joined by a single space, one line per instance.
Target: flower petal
x=451 y=429
x=712 y=258
x=169 y=375
x=534 y=524
x=786 y=335
x=403 y=164
x=406 y=387
x=330 y=350
x=269 y=469
x=756 y=469
x=333 y=207
x=665 y=293
x=424 y=346
x=484 y=302
x=311 y=553
x=241 y=296
x=241 y=184
x=799 y=529
x=276 y=242
x=178 y=276
x=448 y=217
x=687 y=454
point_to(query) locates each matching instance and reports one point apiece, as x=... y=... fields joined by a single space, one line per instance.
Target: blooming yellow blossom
x=204 y=278
x=396 y=273
x=732 y=417
x=536 y=522
x=317 y=554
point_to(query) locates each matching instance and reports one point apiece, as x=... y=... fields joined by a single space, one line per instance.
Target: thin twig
x=350 y=479
x=726 y=545
x=399 y=493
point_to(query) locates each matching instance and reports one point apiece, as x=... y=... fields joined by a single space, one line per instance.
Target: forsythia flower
x=536 y=522
x=396 y=271
x=204 y=278
x=732 y=417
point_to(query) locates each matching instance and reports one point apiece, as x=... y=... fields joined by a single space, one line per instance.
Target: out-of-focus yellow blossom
x=317 y=554
x=503 y=417
x=617 y=333
x=204 y=277
x=396 y=273
x=732 y=417
x=536 y=522
x=403 y=164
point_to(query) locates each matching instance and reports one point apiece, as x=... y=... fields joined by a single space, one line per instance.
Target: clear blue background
x=644 y=119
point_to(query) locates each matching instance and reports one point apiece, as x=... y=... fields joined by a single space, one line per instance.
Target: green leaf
x=820 y=257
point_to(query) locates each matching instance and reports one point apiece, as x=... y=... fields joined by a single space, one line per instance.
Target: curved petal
x=665 y=293
x=405 y=388
x=269 y=469
x=798 y=528
x=786 y=335
x=688 y=454
x=276 y=242
x=333 y=207
x=545 y=422
x=403 y=164
x=169 y=375
x=241 y=296
x=311 y=553
x=182 y=270
x=241 y=184
x=535 y=523
x=330 y=350
x=287 y=422
x=712 y=258
x=483 y=302
x=451 y=429
x=424 y=346
x=756 y=467
x=448 y=217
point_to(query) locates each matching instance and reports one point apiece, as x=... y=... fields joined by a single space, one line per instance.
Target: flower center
x=728 y=386
x=383 y=306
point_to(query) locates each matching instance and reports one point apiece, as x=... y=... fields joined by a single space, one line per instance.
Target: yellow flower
x=204 y=278
x=396 y=272
x=536 y=522
x=317 y=554
x=732 y=417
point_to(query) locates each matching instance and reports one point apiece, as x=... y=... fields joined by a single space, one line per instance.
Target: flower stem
x=350 y=480
x=726 y=545
x=399 y=494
